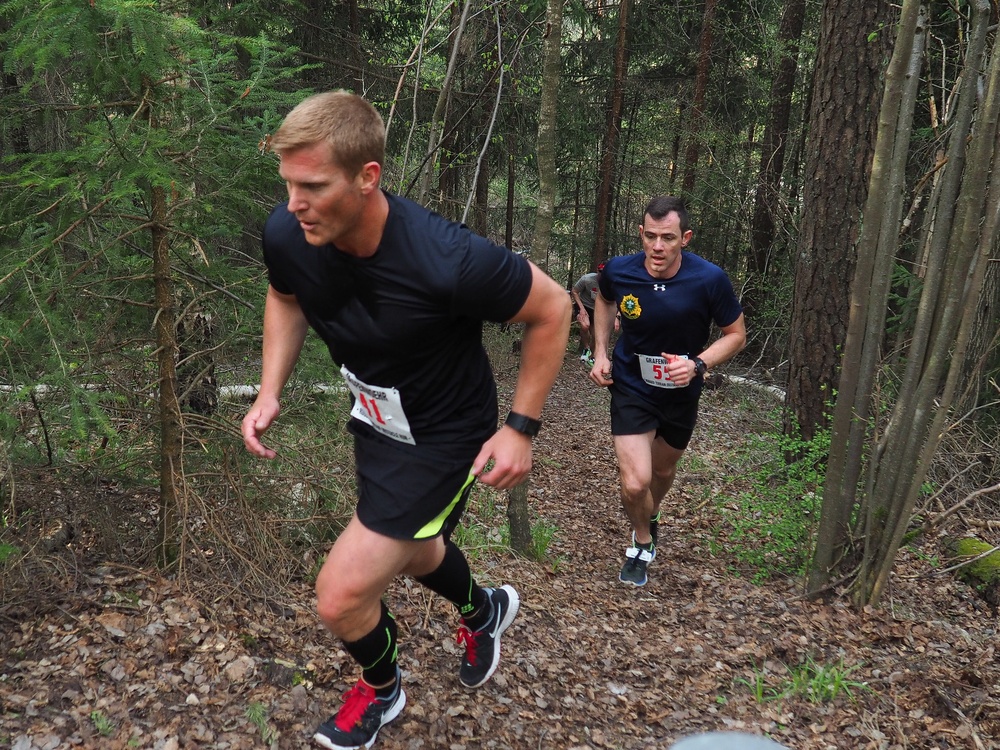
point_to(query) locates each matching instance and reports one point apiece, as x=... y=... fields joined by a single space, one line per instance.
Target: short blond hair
x=350 y=125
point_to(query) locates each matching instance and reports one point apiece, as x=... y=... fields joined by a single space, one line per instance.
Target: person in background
x=584 y=291
x=668 y=298
x=399 y=295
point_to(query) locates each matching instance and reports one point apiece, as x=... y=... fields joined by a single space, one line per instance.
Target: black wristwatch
x=524 y=425
x=699 y=366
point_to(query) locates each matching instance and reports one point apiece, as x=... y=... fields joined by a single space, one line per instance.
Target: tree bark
x=548 y=183
x=919 y=415
x=548 y=174
x=441 y=107
x=170 y=412
x=613 y=123
x=519 y=519
x=842 y=126
x=772 y=157
x=878 y=246
x=697 y=119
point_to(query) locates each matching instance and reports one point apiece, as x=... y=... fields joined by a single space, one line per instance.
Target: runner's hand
x=600 y=373
x=680 y=370
x=263 y=412
x=510 y=452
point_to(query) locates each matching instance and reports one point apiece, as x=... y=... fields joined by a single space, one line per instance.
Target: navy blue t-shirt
x=672 y=315
x=409 y=317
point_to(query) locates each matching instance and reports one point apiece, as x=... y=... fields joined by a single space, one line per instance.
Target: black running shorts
x=405 y=492
x=633 y=415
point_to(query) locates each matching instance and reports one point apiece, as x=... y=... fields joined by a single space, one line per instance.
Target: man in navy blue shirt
x=399 y=296
x=667 y=298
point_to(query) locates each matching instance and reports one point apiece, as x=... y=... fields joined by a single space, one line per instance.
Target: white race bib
x=654 y=371
x=379 y=407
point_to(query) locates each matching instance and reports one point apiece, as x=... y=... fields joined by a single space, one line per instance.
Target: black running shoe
x=482 y=648
x=357 y=722
x=634 y=570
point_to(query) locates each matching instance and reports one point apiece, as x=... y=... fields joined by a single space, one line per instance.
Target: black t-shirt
x=407 y=321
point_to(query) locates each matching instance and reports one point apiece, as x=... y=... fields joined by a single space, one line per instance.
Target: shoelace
x=356 y=702
x=467 y=638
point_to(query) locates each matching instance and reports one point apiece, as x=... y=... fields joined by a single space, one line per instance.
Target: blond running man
x=399 y=295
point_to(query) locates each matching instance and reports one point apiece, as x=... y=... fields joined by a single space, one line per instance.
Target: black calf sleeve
x=453 y=580
x=377 y=651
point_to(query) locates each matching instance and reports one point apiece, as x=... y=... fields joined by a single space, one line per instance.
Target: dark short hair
x=662 y=205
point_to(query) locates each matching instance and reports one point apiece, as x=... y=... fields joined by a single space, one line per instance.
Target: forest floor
x=129 y=659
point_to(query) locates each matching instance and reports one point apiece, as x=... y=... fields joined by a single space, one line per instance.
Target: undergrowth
x=816 y=683
x=773 y=521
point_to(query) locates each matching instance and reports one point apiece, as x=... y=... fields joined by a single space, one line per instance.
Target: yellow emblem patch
x=630 y=307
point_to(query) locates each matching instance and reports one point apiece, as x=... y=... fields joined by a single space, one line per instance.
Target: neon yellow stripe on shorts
x=433 y=527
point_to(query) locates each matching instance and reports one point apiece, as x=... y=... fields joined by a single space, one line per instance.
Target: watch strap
x=524 y=425
x=699 y=366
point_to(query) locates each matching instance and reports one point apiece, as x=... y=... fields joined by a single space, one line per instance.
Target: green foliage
x=873 y=35
x=483 y=530
x=983 y=571
x=904 y=299
x=817 y=683
x=104 y=726
x=138 y=99
x=542 y=535
x=772 y=523
x=256 y=713
x=7 y=552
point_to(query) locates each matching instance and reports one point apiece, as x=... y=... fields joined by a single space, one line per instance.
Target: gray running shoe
x=634 y=570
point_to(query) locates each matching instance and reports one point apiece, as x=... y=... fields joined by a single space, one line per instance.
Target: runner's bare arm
x=546 y=315
x=605 y=319
x=285 y=329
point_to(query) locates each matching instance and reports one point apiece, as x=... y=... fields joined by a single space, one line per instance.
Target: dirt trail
x=589 y=662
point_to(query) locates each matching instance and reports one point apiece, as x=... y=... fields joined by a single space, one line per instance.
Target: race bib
x=379 y=407
x=654 y=371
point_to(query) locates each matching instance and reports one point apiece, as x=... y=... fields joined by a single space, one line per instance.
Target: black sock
x=453 y=580
x=377 y=653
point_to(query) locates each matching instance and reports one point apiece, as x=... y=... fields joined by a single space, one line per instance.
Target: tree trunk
x=548 y=184
x=548 y=174
x=696 y=121
x=772 y=157
x=919 y=415
x=877 y=248
x=170 y=413
x=441 y=107
x=480 y=178
x=508 y=233
x=519 y=519
x=613 y=123
x=842 y=127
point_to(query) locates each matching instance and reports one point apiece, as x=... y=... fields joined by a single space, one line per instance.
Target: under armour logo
x=659 y=287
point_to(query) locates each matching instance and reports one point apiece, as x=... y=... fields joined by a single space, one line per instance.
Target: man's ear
x=369 y=176
x=686 y=238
